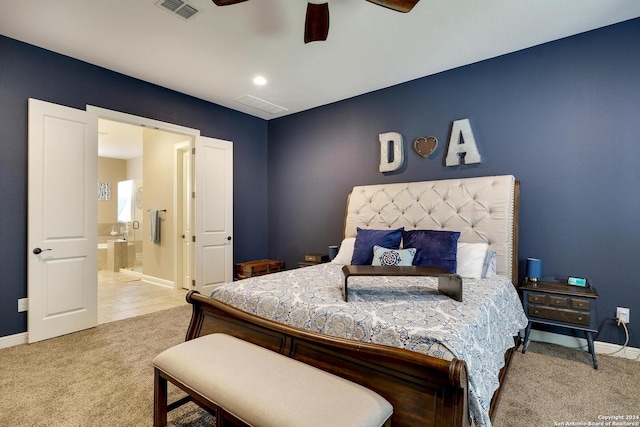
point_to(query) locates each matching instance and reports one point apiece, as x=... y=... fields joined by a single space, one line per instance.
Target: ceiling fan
x=316 y=26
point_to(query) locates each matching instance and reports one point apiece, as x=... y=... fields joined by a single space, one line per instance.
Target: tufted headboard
x=483 y=209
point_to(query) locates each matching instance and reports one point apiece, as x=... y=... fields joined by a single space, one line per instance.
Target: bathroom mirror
x=125 y=201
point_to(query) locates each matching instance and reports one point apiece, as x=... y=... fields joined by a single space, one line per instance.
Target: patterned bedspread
x=405 y=312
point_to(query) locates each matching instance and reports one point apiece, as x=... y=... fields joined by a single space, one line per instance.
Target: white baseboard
x=150 y=279
x=600 y=347
x=157 y=281
x=13 y=340
x=615 y=350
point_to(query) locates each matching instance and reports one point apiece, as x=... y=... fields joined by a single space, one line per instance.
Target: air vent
x=178 y=7
x=186 y=11
x=172 y=5
x=259 y=104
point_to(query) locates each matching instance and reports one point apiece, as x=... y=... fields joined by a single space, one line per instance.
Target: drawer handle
x=536 y=312
x=558 y=301
x=580 y=305
x=579 y=317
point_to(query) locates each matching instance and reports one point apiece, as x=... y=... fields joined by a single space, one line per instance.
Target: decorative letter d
x=391 y=159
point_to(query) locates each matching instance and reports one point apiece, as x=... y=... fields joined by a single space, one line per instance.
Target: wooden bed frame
x=424 y=390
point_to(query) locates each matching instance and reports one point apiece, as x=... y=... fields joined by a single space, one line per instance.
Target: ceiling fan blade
x=316 y=25
x=397 y=5
x=226 y=2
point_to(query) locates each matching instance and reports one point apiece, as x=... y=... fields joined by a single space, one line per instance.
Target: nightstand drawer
x=580 y=304
x=557 y=301
x=537 y=298
x=566 y=316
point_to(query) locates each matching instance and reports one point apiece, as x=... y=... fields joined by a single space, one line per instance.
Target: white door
x=186 y=218
x=62 y=220
x=214 y=213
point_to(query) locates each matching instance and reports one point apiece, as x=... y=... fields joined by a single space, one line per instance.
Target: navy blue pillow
x=435 y=248
x=366 y=239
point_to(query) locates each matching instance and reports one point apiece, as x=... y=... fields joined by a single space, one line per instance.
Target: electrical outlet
x=23 y=304
x=622 y=315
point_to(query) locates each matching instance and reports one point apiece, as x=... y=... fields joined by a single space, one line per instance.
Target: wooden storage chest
x=258 y=268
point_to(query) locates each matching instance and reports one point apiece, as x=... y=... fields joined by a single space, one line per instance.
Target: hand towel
x=154 y=226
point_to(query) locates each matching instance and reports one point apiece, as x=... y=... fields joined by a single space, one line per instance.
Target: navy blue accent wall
x=30 y=72
x=562 y=117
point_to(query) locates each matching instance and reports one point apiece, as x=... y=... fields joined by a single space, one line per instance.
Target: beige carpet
x=551 y=385
x=104 y=377
x=99 y=377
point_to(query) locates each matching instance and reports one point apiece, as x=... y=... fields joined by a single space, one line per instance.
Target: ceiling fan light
x=259 y=80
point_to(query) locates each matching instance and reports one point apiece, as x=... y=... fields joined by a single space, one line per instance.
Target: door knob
x=228 y=237
x=37 y=251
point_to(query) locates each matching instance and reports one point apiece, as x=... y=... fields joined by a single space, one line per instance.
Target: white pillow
x=345 y=253
x=393 y=257
x=471 y=259
x=489 y=268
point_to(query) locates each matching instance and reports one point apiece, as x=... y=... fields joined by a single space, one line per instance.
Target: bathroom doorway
x=138 y=163
x=120 y=201
x=211 y=260
x=127 y=285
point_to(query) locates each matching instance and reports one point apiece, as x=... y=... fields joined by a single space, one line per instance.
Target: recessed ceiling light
x=260 y=81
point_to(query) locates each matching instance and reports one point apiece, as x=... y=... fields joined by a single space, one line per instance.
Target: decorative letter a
x=462 y=145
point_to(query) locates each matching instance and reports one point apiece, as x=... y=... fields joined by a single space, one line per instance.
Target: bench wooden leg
x=159 y=399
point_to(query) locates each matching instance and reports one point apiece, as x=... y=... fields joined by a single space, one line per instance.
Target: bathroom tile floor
x=118 y=299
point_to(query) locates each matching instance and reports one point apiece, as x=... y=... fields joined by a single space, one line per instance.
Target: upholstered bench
x=260 y=387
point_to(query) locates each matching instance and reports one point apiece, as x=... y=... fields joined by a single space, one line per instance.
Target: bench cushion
x=264 y=388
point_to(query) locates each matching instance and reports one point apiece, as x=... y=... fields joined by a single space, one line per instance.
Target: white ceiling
x=119 y=140
x=216 y=54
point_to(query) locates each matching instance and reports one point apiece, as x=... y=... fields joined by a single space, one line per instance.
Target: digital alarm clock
x=577 y=281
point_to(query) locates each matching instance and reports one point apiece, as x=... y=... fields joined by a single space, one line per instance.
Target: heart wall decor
x=426 y=145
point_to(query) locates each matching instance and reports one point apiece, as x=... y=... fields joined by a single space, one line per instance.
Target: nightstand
x=313 y=259
x=560 y=304
x=258 y=268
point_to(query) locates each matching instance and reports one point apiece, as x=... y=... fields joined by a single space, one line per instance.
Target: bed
x=438 y=361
